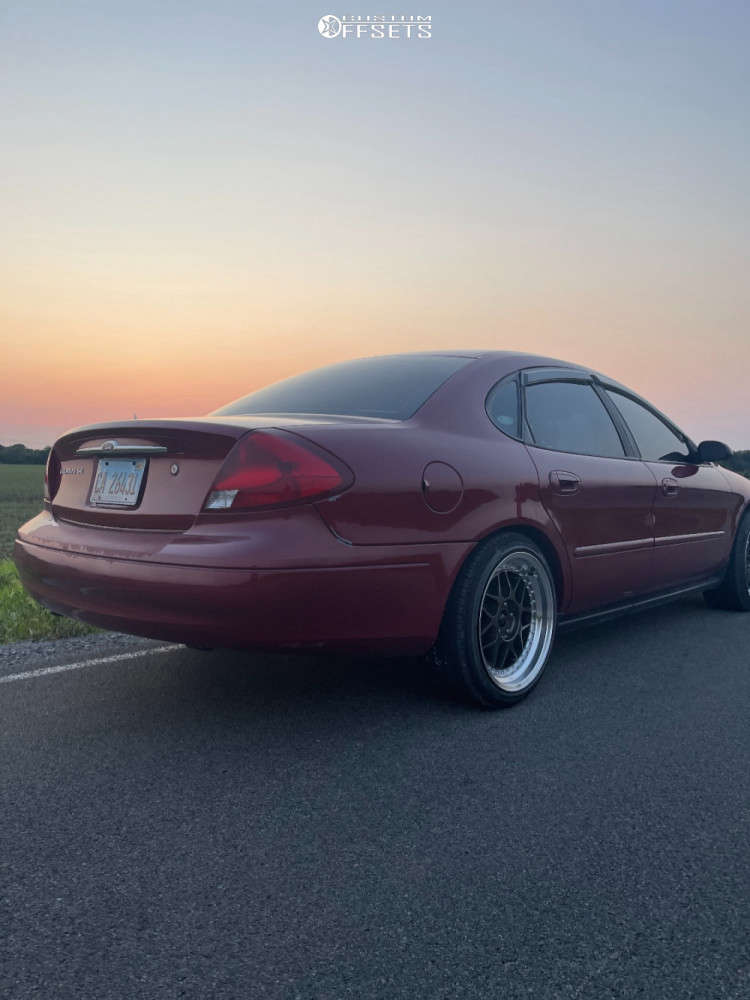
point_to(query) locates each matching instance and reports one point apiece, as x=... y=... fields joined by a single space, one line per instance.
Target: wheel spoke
x=516 y=618
x=505 y=646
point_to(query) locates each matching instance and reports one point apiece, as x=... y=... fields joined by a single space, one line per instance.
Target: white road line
x=63 y=667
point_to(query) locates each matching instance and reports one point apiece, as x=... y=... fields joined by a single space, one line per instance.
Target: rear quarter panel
x=498 y=482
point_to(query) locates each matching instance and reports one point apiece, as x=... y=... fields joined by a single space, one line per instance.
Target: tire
x=733 y=592
x=499 y=623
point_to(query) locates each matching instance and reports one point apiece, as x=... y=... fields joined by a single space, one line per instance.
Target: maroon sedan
x=460 y=503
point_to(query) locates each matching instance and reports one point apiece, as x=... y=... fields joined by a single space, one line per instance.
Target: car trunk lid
x=140 y=474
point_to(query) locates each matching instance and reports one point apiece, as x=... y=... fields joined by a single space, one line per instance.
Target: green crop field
x=21 y=617
x=21 y=488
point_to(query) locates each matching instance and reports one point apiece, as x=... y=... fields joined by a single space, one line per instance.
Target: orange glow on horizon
x=77 y=372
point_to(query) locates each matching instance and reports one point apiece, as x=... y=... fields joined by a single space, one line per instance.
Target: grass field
x=21 y=617
x=21 y=488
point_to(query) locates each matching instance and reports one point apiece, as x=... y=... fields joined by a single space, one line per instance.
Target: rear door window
x=569 y=416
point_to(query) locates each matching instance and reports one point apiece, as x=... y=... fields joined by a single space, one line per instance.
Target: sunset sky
x=198 y=198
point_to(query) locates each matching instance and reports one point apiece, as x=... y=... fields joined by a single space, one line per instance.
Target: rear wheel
x=499 y=624
x=734 y=590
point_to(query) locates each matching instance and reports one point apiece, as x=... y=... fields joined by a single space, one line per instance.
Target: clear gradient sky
x=197 y=198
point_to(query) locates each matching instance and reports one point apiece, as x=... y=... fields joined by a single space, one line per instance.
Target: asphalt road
x=189 y=824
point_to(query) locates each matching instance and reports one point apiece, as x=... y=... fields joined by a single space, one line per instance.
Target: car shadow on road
x=626 y=684
x=603 y=669
x=627 y=655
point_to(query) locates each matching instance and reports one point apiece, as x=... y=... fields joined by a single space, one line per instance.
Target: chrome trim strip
x=123 y=449
x=609 y=547
x=643 y=543
x=695 y=536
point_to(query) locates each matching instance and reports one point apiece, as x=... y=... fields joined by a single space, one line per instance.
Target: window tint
x=655 y=440
x=568 y=416
x=393 y=387
x=502 y=407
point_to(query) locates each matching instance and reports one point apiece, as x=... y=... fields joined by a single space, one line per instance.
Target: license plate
x=118 y=481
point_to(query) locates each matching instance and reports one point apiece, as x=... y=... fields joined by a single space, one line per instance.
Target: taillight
x=52 y=476
x=274 y=468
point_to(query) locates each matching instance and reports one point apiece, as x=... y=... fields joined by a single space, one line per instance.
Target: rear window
x=392 y=387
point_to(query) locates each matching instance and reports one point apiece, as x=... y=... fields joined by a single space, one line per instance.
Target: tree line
x=739 y=461
x=19 y=454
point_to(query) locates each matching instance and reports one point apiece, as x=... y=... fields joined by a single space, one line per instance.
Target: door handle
x=670 y=487
x=564 y=482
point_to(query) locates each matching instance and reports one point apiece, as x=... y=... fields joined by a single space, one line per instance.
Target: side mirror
x=713 y=451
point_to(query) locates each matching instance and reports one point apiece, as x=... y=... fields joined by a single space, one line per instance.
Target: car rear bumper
x=389 y=599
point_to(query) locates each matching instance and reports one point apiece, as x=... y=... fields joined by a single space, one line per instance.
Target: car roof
x=471 y=354
x=524 y=359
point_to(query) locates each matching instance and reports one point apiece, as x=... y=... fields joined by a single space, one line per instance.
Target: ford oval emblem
x=109 y=446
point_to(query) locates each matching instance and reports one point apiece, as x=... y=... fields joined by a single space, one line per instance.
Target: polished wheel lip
x=516 y=620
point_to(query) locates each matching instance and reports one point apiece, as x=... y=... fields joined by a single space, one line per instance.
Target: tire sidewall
x=477 y=678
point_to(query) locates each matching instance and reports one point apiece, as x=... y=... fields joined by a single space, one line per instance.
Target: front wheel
x=499 y=624
x=734 y=590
